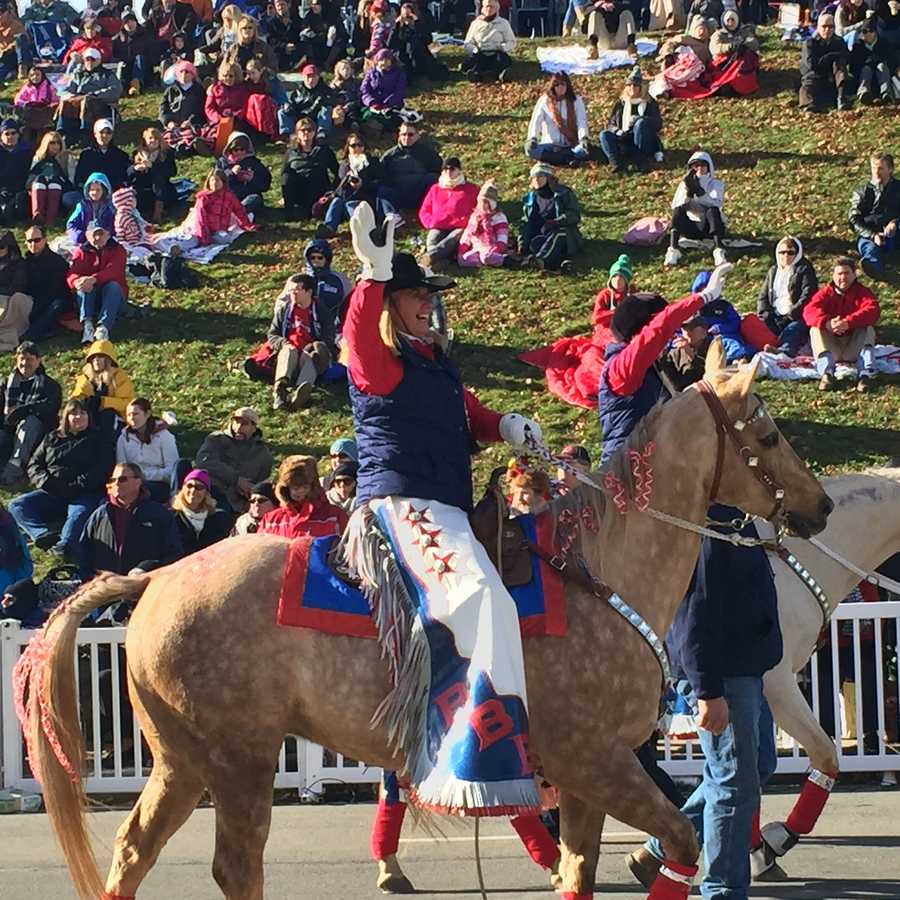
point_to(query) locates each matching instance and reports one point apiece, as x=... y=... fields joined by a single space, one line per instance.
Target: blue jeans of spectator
x=557 y=154
x=135 y=71
x=8 y=65
x=287 y=121
x=722 y=806
x=101 y=305
x=253 y=203
x=792 y=335
x=37 y=510
x=340 y=210
x=640 y=141
x=872 y=254
x=412 y=193
x=24 y=49
x=43 y=319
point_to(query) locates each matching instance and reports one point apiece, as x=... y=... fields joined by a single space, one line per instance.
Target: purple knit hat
x=200 y=475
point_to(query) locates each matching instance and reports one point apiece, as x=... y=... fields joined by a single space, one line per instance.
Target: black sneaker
x=504 y=75
x=280 y=396
x=865 y=383
x=325 y=232
x=46 y=541
x=566 y=267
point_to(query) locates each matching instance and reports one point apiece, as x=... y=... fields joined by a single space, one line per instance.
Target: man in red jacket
x=841 y=317
x=97 y=275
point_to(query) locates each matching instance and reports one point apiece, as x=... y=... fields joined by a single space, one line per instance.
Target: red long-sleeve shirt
x=857 y=306
x=375 y=370
x=625 y=372
x=315 y=519
x=105 y=265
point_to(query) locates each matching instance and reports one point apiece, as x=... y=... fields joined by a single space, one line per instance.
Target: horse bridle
x=726 y=428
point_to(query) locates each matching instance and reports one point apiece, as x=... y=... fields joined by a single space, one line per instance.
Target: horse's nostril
x=827 y=506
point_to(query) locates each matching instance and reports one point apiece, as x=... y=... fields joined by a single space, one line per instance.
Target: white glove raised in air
x=375 y=257
x=713 y=289
x=518 y=431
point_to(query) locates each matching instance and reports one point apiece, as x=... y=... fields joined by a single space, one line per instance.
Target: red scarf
x=569 y=127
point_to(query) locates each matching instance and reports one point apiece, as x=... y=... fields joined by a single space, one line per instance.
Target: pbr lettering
x=450 y=700
x=491 y=723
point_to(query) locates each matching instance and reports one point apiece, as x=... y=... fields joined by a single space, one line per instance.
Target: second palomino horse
x=216 y=683
x=861 y=502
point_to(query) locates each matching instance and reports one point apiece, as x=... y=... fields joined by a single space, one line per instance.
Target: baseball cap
x=309 y=69
x=91 y=53
x=344 y=447
x=247 y=413
x=575 y=453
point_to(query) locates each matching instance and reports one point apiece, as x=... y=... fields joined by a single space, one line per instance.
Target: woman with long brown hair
x=558 y=131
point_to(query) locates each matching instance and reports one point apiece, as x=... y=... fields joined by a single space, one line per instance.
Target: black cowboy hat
x=408 y=274
x=633 y=313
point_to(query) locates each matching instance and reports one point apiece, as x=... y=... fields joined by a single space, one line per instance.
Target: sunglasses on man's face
x=344 y=480
x=122 y=479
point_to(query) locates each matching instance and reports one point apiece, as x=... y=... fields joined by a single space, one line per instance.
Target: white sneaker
x=658 y=156
x=101 y=333
x=673 y=257
x=87 y=336
x=719 y=257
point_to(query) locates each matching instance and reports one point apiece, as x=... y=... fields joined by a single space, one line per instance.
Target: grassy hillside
x=785 y=173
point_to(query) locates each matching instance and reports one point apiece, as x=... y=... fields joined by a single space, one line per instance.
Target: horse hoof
x=773 y=873
x=395 y=884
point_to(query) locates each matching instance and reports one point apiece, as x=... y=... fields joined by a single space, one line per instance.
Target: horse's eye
x=770 y=440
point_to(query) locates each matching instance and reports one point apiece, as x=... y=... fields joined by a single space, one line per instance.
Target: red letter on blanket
x=451 y=700
x=491 y=723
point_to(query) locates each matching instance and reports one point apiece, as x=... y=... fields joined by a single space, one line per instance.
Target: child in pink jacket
x=215 y=208
x=485 y=240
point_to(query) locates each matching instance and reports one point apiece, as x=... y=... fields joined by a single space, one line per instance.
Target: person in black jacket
x=128 y=529
x=68 y=471
x=308 y=173
x=823 y=69
x=724 y=638
x=871 y=65
x=15 y=161
x=246 y=174
x=136 y=49
x=183 y=101
x=632 y=132
x=410 y=168
x=359 y=177
x=787 y=289
x=312 y=99
x=103 y=157
x=875 y=215
x=29 y=408
x=283 y=35
x=411 y=45
x=151 y=174
x=198 y=519
x=46 y=283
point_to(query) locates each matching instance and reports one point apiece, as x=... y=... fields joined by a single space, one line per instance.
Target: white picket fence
x=118 y=763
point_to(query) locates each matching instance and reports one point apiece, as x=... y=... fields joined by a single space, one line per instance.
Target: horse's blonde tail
x=46 y=701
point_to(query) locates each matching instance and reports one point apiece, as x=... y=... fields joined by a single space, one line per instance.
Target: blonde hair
x=234 y=68
x=179 y=504
x=386 y=331
x=41 y=152
x=249 y=20
x=231 y=15
x=161 y=149
x=214 y=175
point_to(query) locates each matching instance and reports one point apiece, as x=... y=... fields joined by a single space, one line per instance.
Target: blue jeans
x=557 y=154
x=640 y=142
x=340 y=210
x=412 y=193
x=253 y=203
x=872 y=254
x=24 y=49
x=37 y=510
x=287 y=121
x=101 y=305
x=722 y=806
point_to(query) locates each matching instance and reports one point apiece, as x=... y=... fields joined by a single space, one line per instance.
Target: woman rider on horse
x=416 y=426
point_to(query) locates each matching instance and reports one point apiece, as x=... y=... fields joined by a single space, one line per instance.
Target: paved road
x=320 y=853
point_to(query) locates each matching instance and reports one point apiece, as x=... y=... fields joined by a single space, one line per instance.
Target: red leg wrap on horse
x=673 y=882
x=534 y=835
x=386 y=829
x=755 y=833
x=570 y=895
x=816 y=790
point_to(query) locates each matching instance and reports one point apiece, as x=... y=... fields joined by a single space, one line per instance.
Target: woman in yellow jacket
x=105 y=386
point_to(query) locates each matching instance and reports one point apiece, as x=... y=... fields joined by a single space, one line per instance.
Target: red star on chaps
x=440 y=566
x=416 y=517
x=426 y=539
